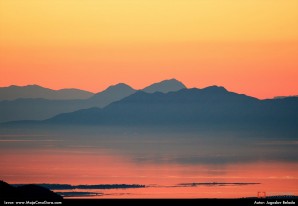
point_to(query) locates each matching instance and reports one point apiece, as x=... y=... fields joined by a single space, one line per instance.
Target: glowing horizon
x=248 y=47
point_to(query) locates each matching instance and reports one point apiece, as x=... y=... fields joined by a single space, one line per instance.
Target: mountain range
x=34 y=91
x=167 y=103
x=28 y=108
x=189 y=107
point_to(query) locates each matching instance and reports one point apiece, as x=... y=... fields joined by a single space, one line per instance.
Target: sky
x=248 y=47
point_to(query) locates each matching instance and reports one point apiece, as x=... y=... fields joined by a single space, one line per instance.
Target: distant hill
x=38 y=109
x=165 y=86
x=34 y=91
x=209 y=106
x=27 y=193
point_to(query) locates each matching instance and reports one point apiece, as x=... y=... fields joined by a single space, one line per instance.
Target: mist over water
x=165 y=160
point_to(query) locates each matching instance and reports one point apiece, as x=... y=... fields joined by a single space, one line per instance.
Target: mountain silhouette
x=34 y=91
x=38 y=109
x=44 y=108
x=165 y=86
x=122 y=105
x=27 y=193
x=112 y=93
x=189 y=107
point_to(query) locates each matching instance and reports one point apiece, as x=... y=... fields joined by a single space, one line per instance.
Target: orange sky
x=249 y=47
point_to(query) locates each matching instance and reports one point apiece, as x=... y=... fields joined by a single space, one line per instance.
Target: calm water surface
x=171 y=164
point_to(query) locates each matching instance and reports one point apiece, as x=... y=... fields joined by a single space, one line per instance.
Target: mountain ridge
x=41 y=108
x=14 y=92
x=212 y=105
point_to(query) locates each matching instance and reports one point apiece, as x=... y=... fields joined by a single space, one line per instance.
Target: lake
x=170 y=163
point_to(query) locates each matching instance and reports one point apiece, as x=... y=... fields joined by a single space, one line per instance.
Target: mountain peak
x=114 y=93
x=215 y=88
x=119 y=86
x=165 y=86
x=173 y=80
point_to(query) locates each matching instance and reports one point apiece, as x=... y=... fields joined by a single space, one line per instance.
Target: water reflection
x=163 y=161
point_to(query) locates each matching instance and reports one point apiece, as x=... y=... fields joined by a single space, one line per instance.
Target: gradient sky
x=249 y=47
